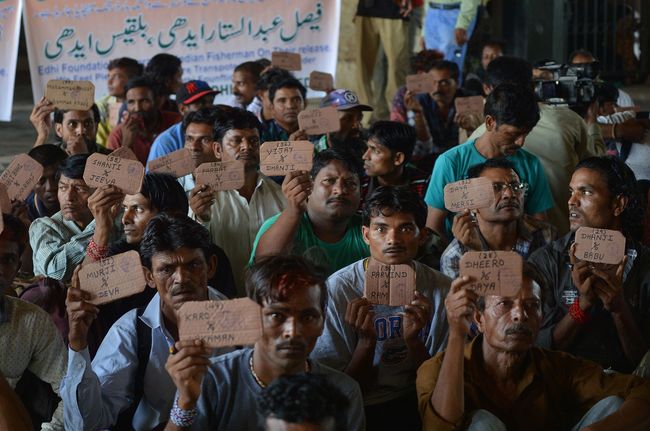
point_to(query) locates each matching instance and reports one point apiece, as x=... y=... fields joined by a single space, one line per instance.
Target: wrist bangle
x=576 y=313
x=182 y=418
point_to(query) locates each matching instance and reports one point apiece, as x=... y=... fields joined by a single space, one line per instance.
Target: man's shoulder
x=170 y=118
x=339 y=379
x=55 y=222
x=454 y=158
x=26 y=312
x=429 y=274
x=347 y=280
x=227 y=367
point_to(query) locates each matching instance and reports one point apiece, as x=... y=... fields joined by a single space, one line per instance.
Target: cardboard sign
x=5 y=202
x=77 y=95
x=114 y=113
x=221 y=323
x=469 y=105
x=20 y=177
x=420 y=83
x=391 y=285
x=319 y=121
x=470 y=194
x=221 y=175
x=113 y=278
x=599 y=245
x=281 y=157
x=321 y=81
x=103 y=170
x=178 y=163
x=495 y=272
x=124 y=153
x=286 y=60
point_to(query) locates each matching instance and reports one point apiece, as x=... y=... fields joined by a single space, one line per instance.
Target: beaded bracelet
x=95 y=251
x=576 y=313
x=182 y=418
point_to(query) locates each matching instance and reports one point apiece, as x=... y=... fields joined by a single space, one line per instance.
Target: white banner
x=9 y=34
x=76 y=39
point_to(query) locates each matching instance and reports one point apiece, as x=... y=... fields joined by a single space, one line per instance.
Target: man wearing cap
x=191 y=97
x=350 y=116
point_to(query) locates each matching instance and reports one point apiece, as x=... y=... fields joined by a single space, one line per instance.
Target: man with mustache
x=288 y=97
x=244 y=84
x=378 y=345
x=501 y=226
x=233 y=217
x=143 y=121
x=350 y=112
x=320 y=220
x=510 y=113
x=596 y=311
x=501 y=381
x=127 y=386
x=222 y=395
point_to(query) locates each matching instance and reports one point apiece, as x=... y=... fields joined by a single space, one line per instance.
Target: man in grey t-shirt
x=222 y=396
x=379 y=345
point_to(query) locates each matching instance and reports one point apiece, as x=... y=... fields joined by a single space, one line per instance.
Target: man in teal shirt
x=510 y=113
x=320 y=221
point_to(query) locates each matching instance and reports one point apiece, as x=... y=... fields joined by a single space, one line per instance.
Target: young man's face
x=198 y=139
x=73 y=200
x=591 y=203
x=335 y=194
x=117 y=79
x=244 y=87
x=76 y=126
x=489 y=53
x=137 y=213
x=350 y=121
x=506 y=139
x=287 y=104
x=240 y=144
x=46 y=189
x=291 y=327
x=378 y=160
x=508 y=204
x=393 y=238
x=9 y=263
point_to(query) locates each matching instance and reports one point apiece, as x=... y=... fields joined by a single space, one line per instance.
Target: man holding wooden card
x=127 y=386
x=288 y=97
x=222 y=396
x=501 y=381
x=381 y=334
x=350 y=111
x=600 y=280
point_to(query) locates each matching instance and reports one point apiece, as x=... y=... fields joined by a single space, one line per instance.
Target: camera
x=568 y=84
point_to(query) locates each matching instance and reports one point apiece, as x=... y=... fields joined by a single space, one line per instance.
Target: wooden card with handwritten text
x=104 y=170
x=469 y=105
x=278 y=158
x=473 y=193
x=75 y=95
x=319 y=121
x=420 y=83
x=321 y=81
x=5 y=202
x=599 y=245
x=20 y=177
x=124 y=153
x=495 y=272
x=233 y=322
x=227 y=175
x=286 y=60
x=113 y=278
x=391 y=285
x=178 y=163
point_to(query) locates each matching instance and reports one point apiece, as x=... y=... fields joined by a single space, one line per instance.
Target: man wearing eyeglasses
x=501 y=226
x=510 y=113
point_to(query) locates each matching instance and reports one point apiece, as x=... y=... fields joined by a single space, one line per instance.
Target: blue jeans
x=483 y=420
x=439 y=26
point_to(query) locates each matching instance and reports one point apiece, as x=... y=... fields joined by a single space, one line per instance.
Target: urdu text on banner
x=9 y=34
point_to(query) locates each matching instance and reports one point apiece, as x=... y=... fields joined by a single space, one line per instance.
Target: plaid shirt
x=533 y=234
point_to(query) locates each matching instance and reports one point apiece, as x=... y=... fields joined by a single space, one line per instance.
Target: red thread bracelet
x=576 y=313
x=97 y=252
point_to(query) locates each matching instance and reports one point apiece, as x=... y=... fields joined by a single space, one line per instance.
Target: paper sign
x=286 y=60
x=221 y=175
x=419 y=83
x=391 y=285
x=469 y=105
x=114 y=113
x=77 y=95
x=221 y=323
x=495 y=272
x=104 y=170
x=178 y=163
x=321 y=81
x=113 y=278
x=281 y=157
x=124 y=153
x=470 y=194
x=319 y=121
x=600 y=245
x=20 y=177
x=5 y=202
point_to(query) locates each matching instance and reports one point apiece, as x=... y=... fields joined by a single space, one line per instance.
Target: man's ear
x=183 y=108
x=365 y=231
x=399 y=158
x=487 y=89
x=490 y=123
x=620 y=203
x=58 y=128
x=148 y=276
x=478 y=318
x=216 y=147
x=212 y=266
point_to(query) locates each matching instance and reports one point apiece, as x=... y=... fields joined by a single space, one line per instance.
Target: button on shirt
x=234 y=222
x=94 y=395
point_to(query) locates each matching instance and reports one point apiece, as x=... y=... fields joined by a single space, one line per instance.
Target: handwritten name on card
x=178 y=163
x=76 y=95
x=113 y=278
x=281 y=157
x=319 y=121
x=599 y=245
x=321 y=81
x=221 y=175
x=419 y=83
x=495 y=272
x=391 y=285
x=286 y=60
x=21 y=176
x=473 y=193
x=103 y=170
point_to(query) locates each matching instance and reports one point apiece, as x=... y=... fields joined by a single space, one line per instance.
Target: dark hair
x=273 y=278
x=387 y=200
x=72 y=167
x=475 y=171
x=164 y=193
x=272 y=75
x=446 y=65
x=207 y=115
x=253 y=68
x=59 y=113
x=130 y=66
x=495 y=43
x=621 y=182
x=423 y=61
x=304 y=398
x=324 y=158
x=236 y=118
x=530 y=272
x=583 y=52
x=15 y=231
x=169 y=232
x=397 y=137
x=513 y=105
x=141 y=81
x=47 y=154
x=287 y=82
x=264 y=62
x=506 y=69
x=161 y=69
